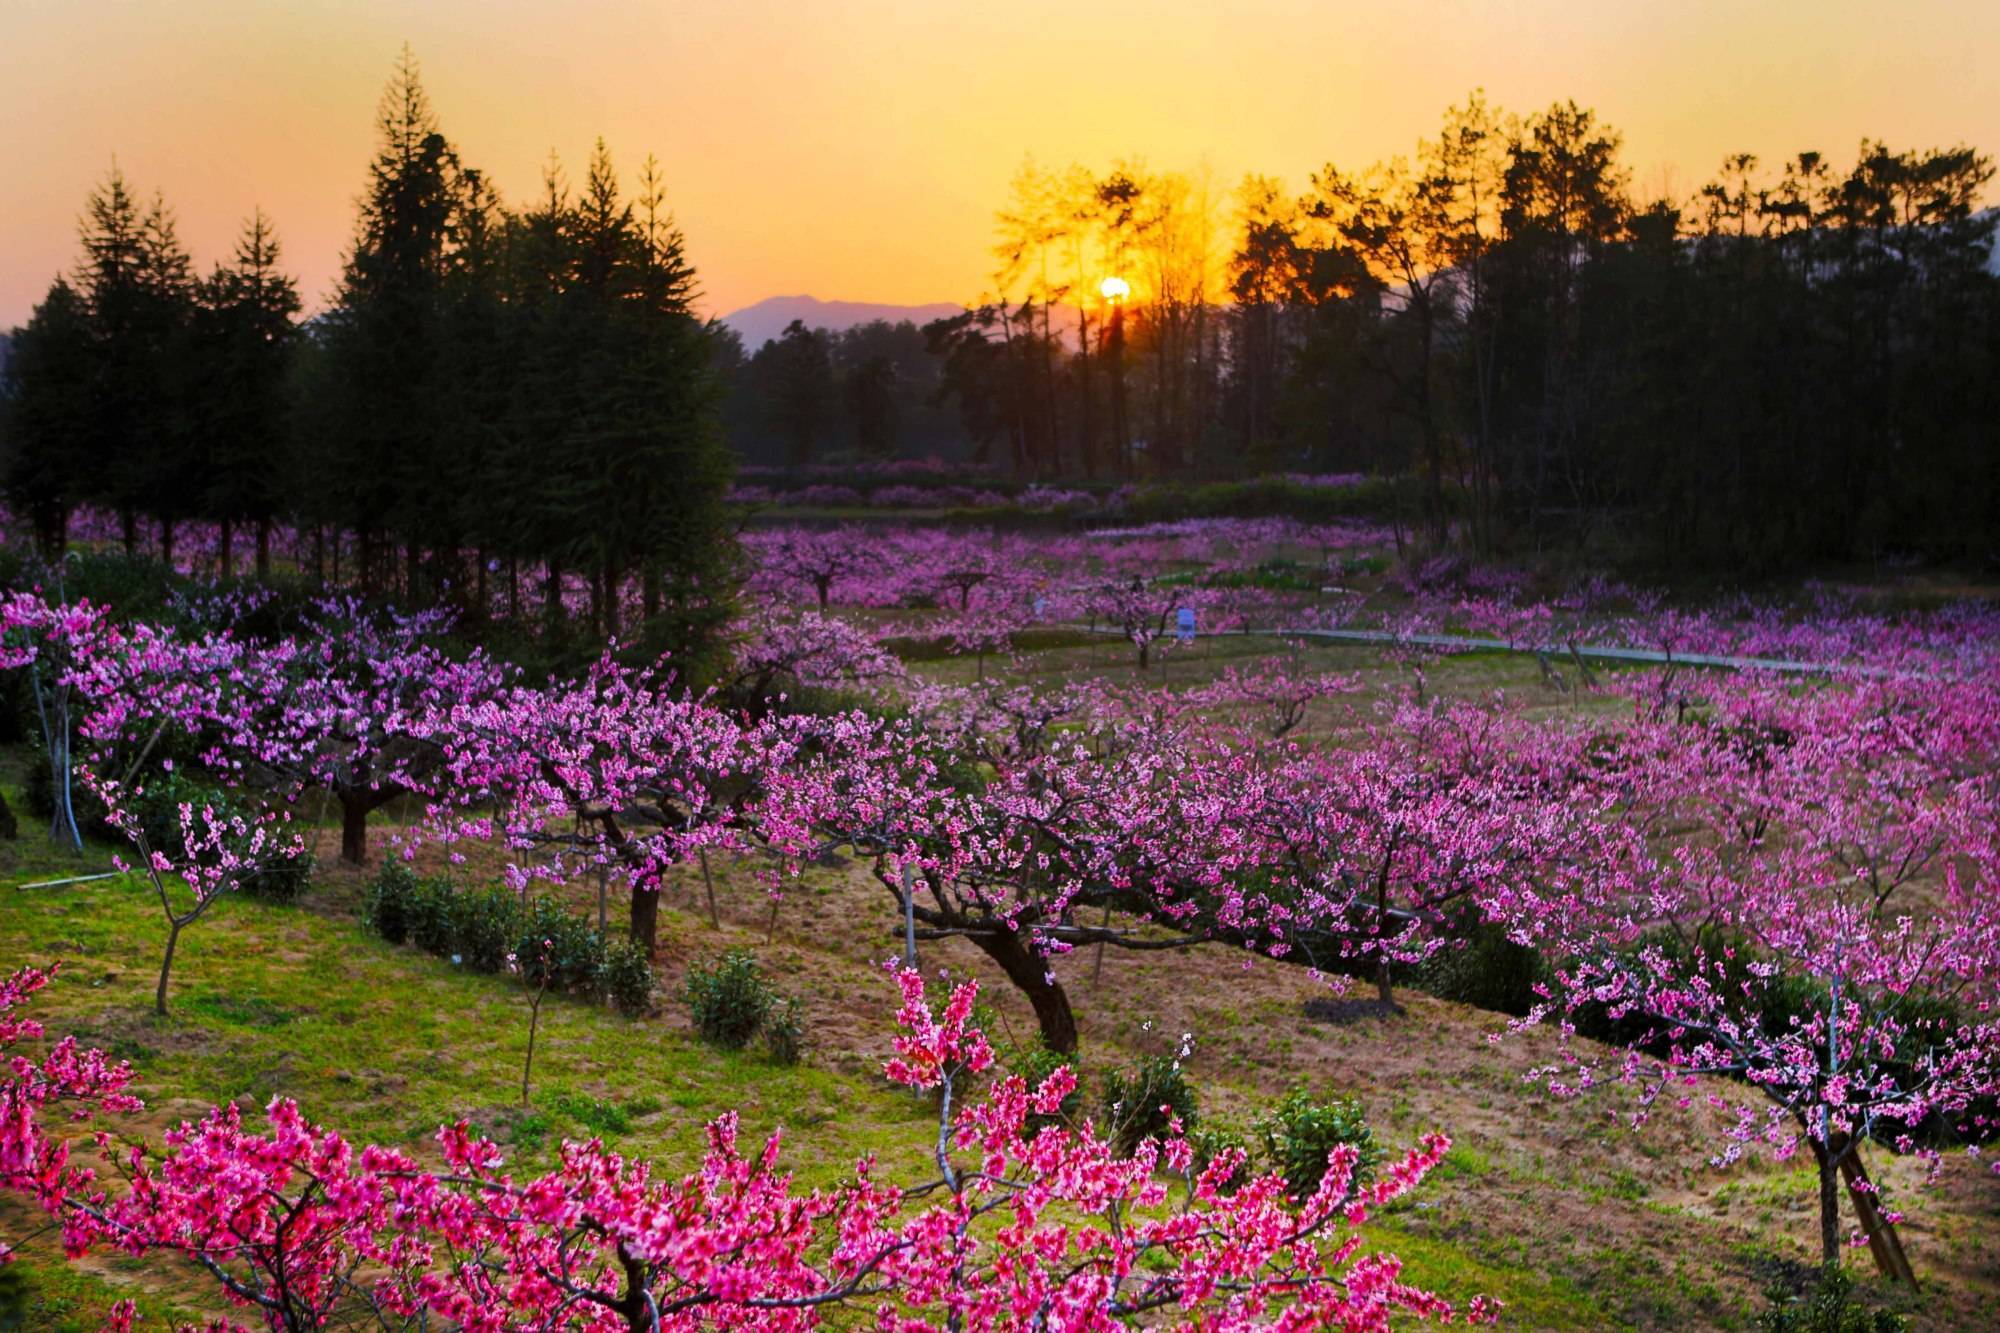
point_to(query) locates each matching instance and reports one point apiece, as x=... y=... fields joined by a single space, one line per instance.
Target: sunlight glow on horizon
x=858 y=150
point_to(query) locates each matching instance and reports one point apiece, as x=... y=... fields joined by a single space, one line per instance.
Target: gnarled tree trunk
x=1030 y=974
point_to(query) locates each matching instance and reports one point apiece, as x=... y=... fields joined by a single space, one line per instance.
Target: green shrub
x=1298 y=1133
x=574 y=952
x=283 y=881
x=434 y=917
x=1033 y=1062
x=1141 y=1102
x=386 y=907
x=1486 y=970
x=485 y=927
x=729 y=1000
x=479 y=928
x=626 y=978
x=156 y=806
x=785 y=1032
x=1211 y=1141
x=1828 y=1306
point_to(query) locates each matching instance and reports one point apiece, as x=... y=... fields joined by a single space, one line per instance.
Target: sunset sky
x=857 y=149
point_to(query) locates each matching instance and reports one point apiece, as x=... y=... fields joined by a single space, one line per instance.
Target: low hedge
x=479 y=928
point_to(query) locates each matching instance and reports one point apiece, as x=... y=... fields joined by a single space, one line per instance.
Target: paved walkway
x=1600 y=652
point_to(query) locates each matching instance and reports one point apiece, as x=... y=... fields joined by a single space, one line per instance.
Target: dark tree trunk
x=166 y=967
x=612 y=579
x=1030 y=974
x=552 y=596
x=264 y=548
x=167 y=542
x=223 y=553
x=644 y=927
x=354 y=809
x=1829 y=1206
x=1883 y=1242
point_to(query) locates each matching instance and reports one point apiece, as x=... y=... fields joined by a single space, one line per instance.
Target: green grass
x=386 y=1043
x=1533 y=1299
x=61 y=1298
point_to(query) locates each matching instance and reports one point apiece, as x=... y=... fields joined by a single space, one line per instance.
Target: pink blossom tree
x=1826 y=941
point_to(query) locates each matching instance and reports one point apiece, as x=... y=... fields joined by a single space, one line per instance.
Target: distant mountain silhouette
x=757 y=324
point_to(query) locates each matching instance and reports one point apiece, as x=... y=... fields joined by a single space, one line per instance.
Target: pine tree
x=47 y=413
x=245 y=330
x=136 y=280
x=385 y=342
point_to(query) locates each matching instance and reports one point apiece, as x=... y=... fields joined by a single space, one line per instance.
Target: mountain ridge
x=766 y=319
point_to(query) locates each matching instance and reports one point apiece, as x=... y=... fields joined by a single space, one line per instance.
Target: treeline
x=1792 y=365
x=494 y=393
x=870 y=393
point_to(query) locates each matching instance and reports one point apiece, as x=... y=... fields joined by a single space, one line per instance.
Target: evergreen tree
x=48 y=413
x=386 y=344
x=798 y=370
x=137 y=282
x=244 y=335
x=870 y=391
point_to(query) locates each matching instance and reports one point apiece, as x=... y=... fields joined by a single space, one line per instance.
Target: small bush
x=1828 y=1306
x=1140 y=1103
x=283 y=881
x=1033 y=1062
x=785 y=1032
x=728 y=1001
x=553 y=937
x=1299 y=1132
x=485 y=927
x=434 y=918
x=157 y=805
x=1487 y=971
x=626 y=978
x=386 y=908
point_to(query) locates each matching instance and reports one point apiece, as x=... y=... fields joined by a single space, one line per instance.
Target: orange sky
x=856 y=149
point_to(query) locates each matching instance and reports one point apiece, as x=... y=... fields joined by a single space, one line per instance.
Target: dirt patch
x=1344 y=1011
